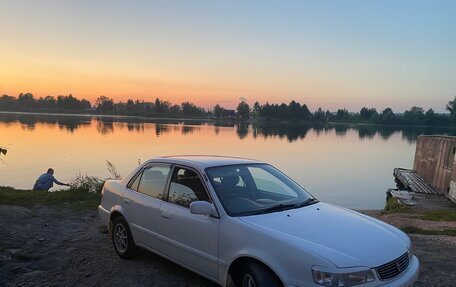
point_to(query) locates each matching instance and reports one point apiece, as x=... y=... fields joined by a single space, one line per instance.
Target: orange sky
x=324 y=54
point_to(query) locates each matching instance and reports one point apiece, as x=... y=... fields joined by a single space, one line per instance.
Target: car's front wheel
x=256 y=275
x=122 y=239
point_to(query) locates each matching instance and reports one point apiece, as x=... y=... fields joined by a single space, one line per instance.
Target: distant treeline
x=103 y=105
x=294 y=111
x=414 y=116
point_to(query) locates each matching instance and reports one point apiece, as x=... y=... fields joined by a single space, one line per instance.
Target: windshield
x=248 y=189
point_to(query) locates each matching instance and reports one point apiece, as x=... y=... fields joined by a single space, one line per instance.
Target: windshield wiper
x=285 y=206
x=306 y=202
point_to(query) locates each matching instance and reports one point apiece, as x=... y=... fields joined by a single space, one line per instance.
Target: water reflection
x=242 y=130
x=290 y=132
x=350 y=165
x=161 y=129
x=341 y=130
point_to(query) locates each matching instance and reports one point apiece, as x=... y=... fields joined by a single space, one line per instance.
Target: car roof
x=204 y=161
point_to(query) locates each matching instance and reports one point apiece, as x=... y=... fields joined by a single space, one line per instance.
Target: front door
x=190 y=239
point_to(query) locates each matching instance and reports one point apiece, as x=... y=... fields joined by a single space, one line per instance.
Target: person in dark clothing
x=46 y=181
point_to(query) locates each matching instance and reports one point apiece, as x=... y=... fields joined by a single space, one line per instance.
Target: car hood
x=342 y=236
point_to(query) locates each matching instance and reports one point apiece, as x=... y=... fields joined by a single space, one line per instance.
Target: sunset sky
x=331 y=54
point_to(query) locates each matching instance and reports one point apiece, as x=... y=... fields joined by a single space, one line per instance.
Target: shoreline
x=289 y=122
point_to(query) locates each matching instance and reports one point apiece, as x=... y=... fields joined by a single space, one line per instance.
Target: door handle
x=165 y=216
x=126 y=201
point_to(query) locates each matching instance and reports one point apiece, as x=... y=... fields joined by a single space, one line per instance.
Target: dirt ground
x=43 y=246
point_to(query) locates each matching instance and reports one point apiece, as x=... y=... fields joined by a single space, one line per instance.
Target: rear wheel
x=256 y=275
x=122 y=239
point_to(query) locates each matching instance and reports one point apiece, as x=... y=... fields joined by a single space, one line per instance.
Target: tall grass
x=86 y=183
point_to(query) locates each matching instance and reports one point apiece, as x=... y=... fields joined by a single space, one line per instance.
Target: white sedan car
x=227 y=217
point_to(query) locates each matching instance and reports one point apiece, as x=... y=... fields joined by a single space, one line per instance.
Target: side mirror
x=201 y=207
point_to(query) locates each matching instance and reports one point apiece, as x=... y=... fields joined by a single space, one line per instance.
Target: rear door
x=142 y=201
x=188 y=238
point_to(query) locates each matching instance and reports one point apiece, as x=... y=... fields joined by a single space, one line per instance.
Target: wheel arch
x=116 y=212
x=235 y=268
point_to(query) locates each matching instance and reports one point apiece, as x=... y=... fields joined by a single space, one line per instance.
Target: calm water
x=348 y=166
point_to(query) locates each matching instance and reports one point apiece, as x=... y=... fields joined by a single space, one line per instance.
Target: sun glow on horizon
x=329 y=55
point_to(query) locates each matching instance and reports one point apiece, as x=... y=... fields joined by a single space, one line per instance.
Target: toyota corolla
x=243 y=219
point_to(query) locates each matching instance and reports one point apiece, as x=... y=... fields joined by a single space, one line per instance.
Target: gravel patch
x=44 y=246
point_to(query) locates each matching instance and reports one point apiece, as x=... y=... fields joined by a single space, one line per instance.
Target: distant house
x=230 y=114
x=435 y=162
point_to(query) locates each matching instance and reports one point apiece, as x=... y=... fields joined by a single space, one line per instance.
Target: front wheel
x=122 y=239
x=256 y=275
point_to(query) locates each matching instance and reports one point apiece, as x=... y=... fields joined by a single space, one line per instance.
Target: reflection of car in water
x=221 y=216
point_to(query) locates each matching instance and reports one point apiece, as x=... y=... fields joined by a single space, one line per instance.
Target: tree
x=104 y=104
x=429 y=117
x=294 y=110
x=367 y=114
x=414 y=115
x=218 y=111
x=190 y=109
x=7 y=102
x=26 y=100
x=161 y=107
x=304 y=112
x=342 y=114
x=256 y=111
x=85 y=104
x=175 y=109
x=282 y=111
x=320 y=115
x=451 y=107
x=243 y=110
x=388 y=116
x=47 y=102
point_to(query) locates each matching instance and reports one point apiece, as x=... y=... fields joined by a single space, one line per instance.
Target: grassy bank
x=417 y=230
x=440 y=215
x=393 y=206
x=75 y=198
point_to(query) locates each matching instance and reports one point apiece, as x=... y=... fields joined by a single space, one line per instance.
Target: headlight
x=411 y=252
x=342 y=277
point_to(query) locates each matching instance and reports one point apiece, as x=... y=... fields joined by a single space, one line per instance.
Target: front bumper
x=104 y=215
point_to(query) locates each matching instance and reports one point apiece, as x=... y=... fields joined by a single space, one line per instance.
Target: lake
x=350 y=166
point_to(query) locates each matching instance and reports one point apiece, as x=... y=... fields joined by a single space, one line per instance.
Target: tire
x=257 y=275
x=122 y=240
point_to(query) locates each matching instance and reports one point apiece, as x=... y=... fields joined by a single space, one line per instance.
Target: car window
x=135 y=184
x=153 y=181
x=186 y=187
x=248 y=189
x=265 y=181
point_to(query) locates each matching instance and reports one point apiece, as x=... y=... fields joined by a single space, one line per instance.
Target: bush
x=86 y=183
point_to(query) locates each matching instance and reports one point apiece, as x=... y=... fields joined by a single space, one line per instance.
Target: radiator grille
x=393 y=268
